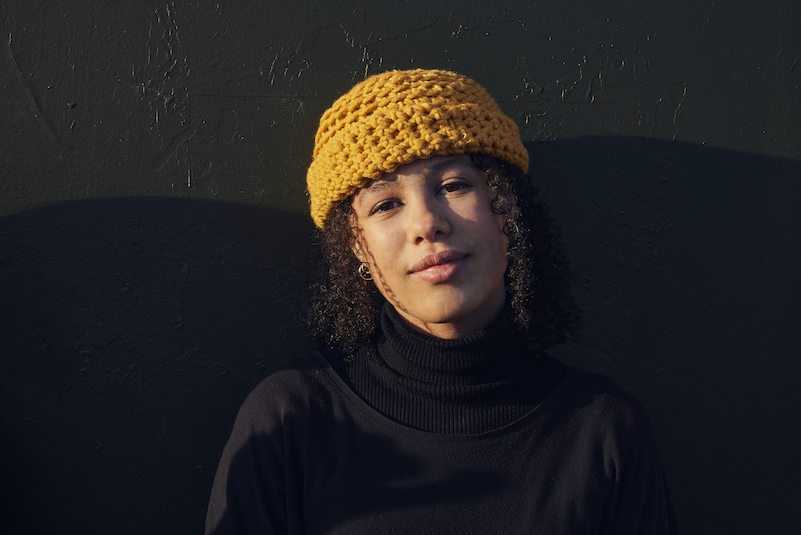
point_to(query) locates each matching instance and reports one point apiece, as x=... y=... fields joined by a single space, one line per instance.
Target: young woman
x=431 y=405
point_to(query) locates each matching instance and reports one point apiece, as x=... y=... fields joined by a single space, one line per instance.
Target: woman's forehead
x=435 y=165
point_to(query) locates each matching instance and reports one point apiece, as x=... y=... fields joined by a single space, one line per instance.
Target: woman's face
x=435 y=249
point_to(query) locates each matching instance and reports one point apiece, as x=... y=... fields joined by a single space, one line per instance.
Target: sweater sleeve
x=249 y=491
x=639 y=503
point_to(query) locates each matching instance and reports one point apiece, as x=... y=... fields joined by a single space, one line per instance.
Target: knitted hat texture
x=396 y=117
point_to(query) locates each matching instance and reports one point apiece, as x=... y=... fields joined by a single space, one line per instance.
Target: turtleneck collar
x=462 y=386
x=486 y=356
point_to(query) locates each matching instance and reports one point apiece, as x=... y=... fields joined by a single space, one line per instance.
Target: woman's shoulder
x=292 y=371
x=595 y=404
x=296 y=384
x=602 y=390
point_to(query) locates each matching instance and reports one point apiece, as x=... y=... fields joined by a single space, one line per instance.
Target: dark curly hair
x=345 y=309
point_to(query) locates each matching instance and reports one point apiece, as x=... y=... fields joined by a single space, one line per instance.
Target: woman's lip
x=439 y=273
x=436 y=259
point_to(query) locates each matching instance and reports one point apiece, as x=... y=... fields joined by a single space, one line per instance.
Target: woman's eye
x=384 y=206
x=450 y=187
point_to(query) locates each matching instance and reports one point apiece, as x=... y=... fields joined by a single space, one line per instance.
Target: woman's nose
x=429 y=220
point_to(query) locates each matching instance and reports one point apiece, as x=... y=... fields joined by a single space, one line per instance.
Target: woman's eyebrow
x=376 y=185
x=379 y=184
x=448 y=164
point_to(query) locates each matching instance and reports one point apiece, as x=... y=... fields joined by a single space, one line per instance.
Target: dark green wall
x=154 y=241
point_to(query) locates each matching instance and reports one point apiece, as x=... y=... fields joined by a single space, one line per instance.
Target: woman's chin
x=448 y=320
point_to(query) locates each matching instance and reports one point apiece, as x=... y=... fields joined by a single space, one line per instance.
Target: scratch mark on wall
x=170 y=149
x=676 y=113
x=155 y=75
x=37 y=111
x=279 y=96
x=162 y=86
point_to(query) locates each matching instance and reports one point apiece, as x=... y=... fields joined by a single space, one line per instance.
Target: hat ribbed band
x=396 y=117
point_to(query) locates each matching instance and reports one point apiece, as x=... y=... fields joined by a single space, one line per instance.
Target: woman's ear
x=356 y=244
x=358 y=250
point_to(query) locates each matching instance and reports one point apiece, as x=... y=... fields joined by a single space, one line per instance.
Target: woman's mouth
x=438 y=267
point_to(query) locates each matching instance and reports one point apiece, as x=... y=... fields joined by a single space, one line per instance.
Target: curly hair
x=345 y=309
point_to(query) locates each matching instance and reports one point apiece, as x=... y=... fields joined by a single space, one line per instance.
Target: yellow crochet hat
x=396 y=117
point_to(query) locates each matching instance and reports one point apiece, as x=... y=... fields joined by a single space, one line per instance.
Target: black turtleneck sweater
x=426 y=436
x=463 y=386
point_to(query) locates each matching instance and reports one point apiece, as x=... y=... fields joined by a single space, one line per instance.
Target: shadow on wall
x=131 y=330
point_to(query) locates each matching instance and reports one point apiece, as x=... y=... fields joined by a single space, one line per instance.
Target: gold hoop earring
x=364 y=272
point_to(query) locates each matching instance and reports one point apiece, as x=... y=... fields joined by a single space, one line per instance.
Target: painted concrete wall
x=154 y=241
